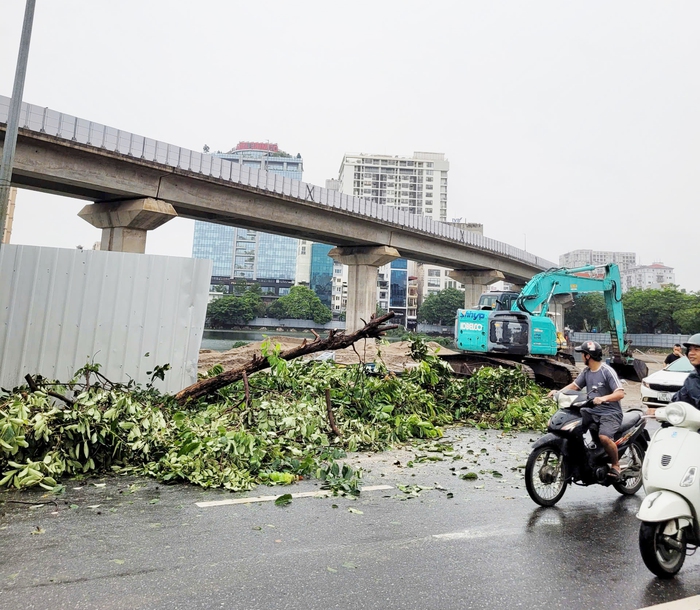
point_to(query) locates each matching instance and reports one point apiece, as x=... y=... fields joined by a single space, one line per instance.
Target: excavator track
x=466 y=365
x=546 y=371
x=550 y=372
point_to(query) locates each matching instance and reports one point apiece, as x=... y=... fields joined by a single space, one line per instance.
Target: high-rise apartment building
x=245 y=253
x=417 y=185
x=580 y=258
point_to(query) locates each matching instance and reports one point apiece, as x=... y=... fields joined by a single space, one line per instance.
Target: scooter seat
x=629 y=419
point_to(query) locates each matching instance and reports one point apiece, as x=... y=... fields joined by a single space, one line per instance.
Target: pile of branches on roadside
x=295 y=419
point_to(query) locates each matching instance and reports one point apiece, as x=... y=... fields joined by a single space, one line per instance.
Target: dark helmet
x=694 y=341
x=592 y=348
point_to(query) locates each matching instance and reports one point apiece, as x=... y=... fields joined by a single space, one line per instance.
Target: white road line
x=689 y=603
x=484 y=532
x=305 y=494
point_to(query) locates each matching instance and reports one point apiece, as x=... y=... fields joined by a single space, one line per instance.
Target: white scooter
x=671 y=475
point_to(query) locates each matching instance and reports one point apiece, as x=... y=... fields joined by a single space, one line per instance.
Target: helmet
x=694 y=341
x=593 y=349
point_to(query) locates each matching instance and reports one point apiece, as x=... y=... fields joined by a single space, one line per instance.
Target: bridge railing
x=65 y=126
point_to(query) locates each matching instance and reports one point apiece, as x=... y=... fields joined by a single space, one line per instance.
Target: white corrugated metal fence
x=62 y=308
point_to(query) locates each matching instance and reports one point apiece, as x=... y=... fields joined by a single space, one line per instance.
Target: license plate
x=664 y=396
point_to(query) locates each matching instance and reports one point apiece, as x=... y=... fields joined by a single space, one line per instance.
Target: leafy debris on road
x=273 y=427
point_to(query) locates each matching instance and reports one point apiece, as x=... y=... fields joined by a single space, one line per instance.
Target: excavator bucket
x=629 y=368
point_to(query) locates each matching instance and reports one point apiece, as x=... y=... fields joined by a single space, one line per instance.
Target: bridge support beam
x=363 y=263
x=474 y=283
x=125 y=224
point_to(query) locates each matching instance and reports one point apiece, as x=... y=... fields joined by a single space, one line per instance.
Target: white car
x=658 y=388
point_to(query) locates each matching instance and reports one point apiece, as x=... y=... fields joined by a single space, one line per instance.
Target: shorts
x=607 y=423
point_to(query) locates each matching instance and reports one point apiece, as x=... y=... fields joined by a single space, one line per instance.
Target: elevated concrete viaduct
x=138 y=183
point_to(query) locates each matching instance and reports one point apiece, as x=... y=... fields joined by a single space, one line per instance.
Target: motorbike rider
x=605 y=389
x=690 y=392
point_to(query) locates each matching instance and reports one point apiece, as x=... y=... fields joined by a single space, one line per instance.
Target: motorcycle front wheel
x=632 y=460
x=545 y=476
x=663 y=547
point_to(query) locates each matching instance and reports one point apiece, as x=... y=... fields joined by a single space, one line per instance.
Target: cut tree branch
x=34 y=387
x=331 y=417
x=335 y=340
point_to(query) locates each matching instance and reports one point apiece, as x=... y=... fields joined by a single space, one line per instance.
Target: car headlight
x=675 y=414
x=645 y=383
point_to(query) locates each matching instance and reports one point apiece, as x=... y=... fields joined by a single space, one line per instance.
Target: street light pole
x=8 y=149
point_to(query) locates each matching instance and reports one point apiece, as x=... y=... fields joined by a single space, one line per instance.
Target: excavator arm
x=543 y=286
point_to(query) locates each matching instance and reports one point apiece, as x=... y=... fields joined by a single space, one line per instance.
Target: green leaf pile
x=279 y=434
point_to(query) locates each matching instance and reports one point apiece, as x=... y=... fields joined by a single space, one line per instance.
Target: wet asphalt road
x=132 y=543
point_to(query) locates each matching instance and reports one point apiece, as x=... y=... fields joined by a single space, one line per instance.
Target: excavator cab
x=509 y=333
x=498 y=301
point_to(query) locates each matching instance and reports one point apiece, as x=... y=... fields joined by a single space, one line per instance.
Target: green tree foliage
x=655 y=311
x=300 y=304
x=232 y=310
x=588 y=312
x=271 y=429
x=441 y=308
x=666 y=310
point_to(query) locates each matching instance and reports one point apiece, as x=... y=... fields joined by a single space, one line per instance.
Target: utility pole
x=8 y=149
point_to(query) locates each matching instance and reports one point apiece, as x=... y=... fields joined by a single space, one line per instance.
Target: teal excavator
x=513 y=329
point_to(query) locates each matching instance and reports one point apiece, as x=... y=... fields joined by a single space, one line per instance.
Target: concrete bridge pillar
x=474 y=283
x=125 y=224
x=363 y=263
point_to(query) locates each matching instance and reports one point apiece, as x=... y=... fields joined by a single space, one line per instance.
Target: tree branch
x=335 y=340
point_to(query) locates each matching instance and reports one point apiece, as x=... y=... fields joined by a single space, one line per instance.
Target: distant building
x=417 y=185
x=580 y=258
x=656 y=275
x=244 y=253
x=433 y=279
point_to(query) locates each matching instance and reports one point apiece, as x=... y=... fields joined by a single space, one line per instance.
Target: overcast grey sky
x=567 y=124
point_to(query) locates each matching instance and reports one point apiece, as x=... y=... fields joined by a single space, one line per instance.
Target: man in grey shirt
x=604 y=388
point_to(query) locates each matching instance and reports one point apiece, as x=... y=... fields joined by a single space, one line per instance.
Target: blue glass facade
x=322 y=273
x=277 y=257
x=214 y=241
x=237 y=252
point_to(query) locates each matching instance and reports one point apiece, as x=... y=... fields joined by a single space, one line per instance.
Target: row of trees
x=245 y=305
x=667 y=310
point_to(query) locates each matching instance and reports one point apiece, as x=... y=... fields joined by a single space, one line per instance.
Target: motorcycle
x=671 y=480
x=563 y=456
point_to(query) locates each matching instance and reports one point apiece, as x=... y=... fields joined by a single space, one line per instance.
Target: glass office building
x=244 y=253
x=321 y=275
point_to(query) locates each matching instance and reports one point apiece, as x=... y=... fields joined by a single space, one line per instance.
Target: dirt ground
x=396 y=356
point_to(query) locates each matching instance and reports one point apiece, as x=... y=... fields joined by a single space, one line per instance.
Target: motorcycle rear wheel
x=634 y=456
x=663 y=554
x=545 y=475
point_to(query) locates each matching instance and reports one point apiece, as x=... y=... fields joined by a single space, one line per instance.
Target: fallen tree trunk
x=335 y=340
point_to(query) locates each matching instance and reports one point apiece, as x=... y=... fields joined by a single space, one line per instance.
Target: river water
x=223 y=340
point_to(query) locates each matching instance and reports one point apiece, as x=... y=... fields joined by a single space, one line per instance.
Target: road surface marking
x=485 y=532
x=304 y=494
x=689 y=603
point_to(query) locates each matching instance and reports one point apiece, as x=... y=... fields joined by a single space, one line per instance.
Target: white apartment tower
x=417 y=184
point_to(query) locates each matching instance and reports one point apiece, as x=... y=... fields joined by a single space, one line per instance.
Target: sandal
x=614 y=474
